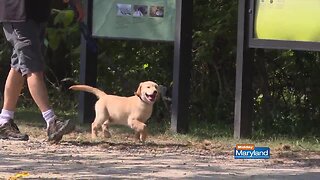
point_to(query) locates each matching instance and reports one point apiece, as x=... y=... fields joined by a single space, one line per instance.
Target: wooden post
x=182 y=66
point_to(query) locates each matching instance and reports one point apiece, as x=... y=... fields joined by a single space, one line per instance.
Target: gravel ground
x=157 y=159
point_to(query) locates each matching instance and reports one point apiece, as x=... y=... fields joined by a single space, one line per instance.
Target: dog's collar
x=141 y=99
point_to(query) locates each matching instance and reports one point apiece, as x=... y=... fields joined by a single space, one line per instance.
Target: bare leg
x=38 y=90
x=13 y=87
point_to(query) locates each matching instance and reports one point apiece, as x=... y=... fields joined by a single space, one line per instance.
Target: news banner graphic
x=249 y=151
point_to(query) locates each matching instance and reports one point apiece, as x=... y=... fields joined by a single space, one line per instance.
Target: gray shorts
x=27 y=41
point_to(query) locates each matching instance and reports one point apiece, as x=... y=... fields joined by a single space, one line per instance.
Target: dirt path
x=161 y=160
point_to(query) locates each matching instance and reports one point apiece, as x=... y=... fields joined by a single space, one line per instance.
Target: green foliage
x=213 y=74
x=287 y=88
x=61 y=29
x=123 y=64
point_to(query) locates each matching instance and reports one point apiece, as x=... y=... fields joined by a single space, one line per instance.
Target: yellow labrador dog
x=132 y=111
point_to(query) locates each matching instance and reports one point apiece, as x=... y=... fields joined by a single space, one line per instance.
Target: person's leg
x=13 y=86
x=38 y=90
x=32 y=62
x=27 y=39
x=39 y=93
x=12 y=90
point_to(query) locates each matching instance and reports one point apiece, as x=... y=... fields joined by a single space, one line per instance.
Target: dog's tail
x=89 y=89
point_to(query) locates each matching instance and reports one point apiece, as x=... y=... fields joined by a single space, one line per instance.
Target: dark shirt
x=21 y=10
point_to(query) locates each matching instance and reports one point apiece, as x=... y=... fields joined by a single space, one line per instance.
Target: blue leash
x=92 y=45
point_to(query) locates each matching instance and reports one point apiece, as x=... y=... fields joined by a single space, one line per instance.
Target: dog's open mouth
x=151 y=97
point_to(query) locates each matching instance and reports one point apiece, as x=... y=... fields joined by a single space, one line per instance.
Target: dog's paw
x=106 y=134
x=140 y=137
x=143 y=136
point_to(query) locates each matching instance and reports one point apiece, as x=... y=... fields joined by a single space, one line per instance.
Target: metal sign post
x=88 y=70
x=243 y=95
x=182 y=66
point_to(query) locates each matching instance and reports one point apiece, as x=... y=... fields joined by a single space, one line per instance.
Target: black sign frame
x=246 y=45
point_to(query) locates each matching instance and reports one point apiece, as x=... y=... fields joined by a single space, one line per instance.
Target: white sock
x=48 y=116
x=5 y=116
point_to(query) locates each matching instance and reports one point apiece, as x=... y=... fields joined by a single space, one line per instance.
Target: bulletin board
x=152 y=20
x=291 y=20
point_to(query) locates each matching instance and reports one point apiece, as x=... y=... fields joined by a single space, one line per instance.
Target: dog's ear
x=138 y=92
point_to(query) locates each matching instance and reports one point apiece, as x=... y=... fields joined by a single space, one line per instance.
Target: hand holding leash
x=76 y=5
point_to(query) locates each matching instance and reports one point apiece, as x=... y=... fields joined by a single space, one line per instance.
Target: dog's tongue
x=151 y=97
